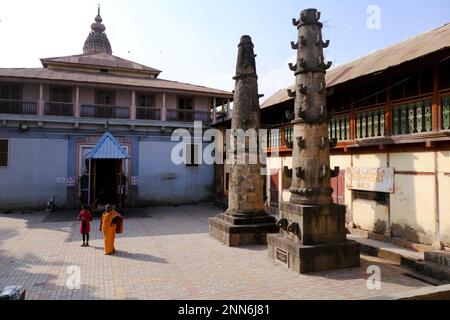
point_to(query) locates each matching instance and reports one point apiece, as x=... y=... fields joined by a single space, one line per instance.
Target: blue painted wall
x=35 y=164
x=163 y=182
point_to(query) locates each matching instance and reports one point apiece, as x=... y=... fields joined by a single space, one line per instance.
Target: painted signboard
x=370 y=179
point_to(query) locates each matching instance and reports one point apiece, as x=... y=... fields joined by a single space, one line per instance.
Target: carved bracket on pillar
x=333 y=143
x=287 y=172
x=294 y=45
x=283 y=224
x=301 y=142
x=302 y=40
x=320 y=42
x=301 y=113
x=300 y=172
x=323 y=65
x=303 y=89
x=291 y=94
x=295 y=229
x=292 y=67
x=335 y=172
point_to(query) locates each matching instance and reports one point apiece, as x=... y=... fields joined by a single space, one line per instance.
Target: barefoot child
x=86 y=217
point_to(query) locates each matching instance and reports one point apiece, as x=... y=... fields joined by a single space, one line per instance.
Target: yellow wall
x=413 y=161
x=378 y=160
x=413 y=207
x=444 y=198
x=370 y=216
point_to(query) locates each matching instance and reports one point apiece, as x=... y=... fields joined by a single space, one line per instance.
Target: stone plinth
x=240 y=230
x=313 y=238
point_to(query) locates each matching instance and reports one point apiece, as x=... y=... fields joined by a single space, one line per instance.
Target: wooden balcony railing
x=445 y=113
x=188 y=115
x=339 y=127
x=105 y=111
x=371 y=123
x=144 y=113
x=18 y=107
x=59 y=109
x=412 y=117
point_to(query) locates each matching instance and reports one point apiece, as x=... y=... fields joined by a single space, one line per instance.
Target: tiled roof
x=109 y=79
x=410 y=49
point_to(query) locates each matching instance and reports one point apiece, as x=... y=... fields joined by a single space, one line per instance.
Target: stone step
x=405 y=257
x=441 y=258
x=435 y=271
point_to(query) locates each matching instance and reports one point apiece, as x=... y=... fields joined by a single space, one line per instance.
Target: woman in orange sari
x=109 y=223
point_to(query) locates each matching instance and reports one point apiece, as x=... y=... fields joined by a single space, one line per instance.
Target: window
x=61 y=94
x=444 y=78
x=427 y=81
x=192 y=153
x=185 y=107
x=145 y=101
x=3 y=153
x=378 y=197
x=185 y=103
x=10 y=92
x=104 y=97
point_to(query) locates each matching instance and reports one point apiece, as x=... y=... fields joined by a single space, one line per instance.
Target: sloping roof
x=109 y=79
x=410 y=49
x=100 y=60
x=108 y=148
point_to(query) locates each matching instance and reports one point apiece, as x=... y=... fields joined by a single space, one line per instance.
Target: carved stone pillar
x=313 y=233
x=245 y=222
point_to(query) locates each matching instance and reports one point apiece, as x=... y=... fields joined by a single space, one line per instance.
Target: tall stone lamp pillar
x=312 y=233
x=245 y=222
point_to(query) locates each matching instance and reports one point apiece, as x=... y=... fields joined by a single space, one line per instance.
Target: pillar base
x=241 y=229
x=311 y=258
x=313 y=238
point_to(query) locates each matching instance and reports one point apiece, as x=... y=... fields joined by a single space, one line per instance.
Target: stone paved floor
x=166 y=253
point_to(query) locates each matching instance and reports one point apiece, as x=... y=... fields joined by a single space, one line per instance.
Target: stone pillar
x=77 y=102
x=313 y=233
x=164 y=108
x=245 y=222
x=133 y=105
x=214 y=112
x=41 y=103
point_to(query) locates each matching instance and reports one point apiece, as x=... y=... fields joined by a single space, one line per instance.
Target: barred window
x=378 y=197
x=3 y=153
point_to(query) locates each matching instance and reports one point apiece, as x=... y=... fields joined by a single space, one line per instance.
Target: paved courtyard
x=165 y=253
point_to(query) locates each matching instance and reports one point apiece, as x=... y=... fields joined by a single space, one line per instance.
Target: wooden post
x=164 y=108
x=388 y=111
x=41 y=100
x=436 y=105
x=77 y=102
x=352 y=119
x=214 y=112
x=133 y=105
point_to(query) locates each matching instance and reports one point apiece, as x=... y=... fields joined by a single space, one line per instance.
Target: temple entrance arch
x=104 y=181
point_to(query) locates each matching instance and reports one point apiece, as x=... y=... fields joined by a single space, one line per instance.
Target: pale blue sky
x=196 y=40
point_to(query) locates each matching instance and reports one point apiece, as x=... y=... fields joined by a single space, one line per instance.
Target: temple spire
x=97 y=41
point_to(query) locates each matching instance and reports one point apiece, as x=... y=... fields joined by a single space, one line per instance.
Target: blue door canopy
x=108 y=148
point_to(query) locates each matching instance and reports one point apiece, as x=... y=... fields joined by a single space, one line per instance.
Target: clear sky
x=196 y=41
